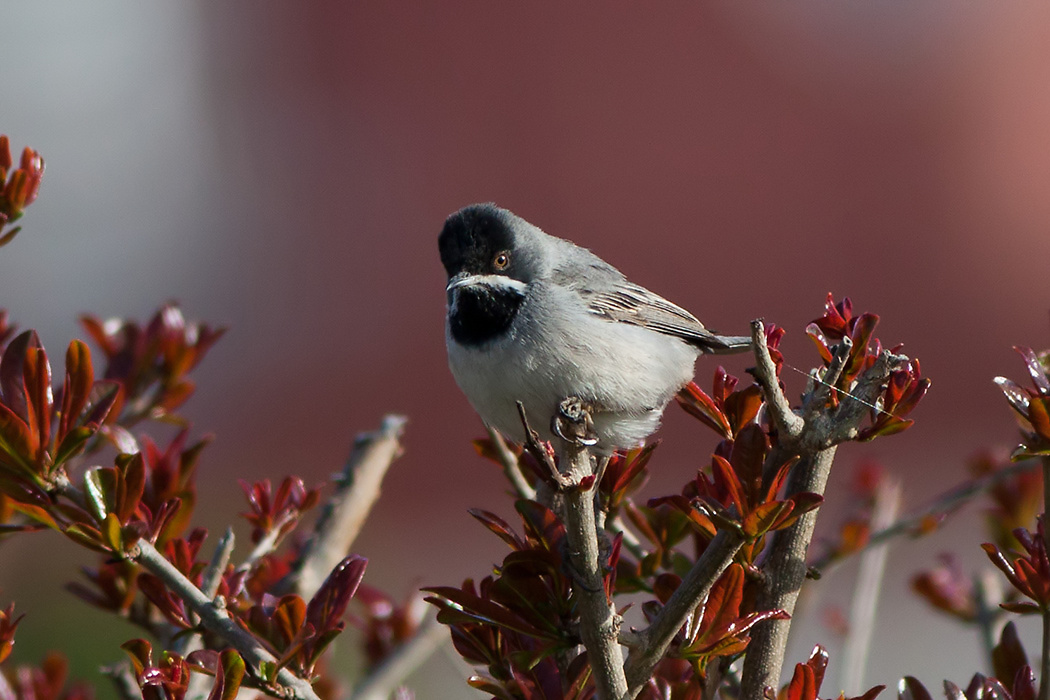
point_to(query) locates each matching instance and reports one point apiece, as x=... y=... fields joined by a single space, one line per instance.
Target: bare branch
x=200 y=684
x=866 y=592
x=599 y=622
x=385 y=679
x=785 y=571
x=652 y=643
x=785 y=568
x=349 y=506
x=215 y=618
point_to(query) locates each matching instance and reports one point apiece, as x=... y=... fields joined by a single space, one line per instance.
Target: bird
x=536 y=319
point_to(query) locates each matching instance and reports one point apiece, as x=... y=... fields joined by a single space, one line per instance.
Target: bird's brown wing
x=630 y=303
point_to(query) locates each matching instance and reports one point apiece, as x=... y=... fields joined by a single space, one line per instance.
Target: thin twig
x=349 y=506
x=268 y=543
x=212 y=576
x=788 y=423
x=820 y=394
x=987 y=590
x=511 y=465
x=200 y=684
x=866 y=593
x=215 y=618
x=386 y=678
x=651 y=644
x=941 y=506
x=541 y=452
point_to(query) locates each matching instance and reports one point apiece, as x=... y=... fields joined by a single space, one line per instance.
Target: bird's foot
x=573 y=422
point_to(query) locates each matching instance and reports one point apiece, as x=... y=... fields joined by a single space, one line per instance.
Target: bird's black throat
x=482 y=313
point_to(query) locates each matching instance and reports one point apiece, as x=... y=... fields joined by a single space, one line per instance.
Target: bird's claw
x=573 y=423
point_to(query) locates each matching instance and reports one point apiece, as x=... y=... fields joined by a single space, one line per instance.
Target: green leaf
x=86 y=537
x=17 y=442
x=72 y=443
x=111 y=530
x=37 y=514
x=9 y=236
x=229 y=682
x=268 y=670
x=96 y=495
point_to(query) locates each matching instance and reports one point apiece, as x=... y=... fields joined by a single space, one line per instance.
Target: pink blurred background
x=284 y=169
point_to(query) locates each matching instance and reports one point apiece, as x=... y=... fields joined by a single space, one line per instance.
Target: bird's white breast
x=556 y=349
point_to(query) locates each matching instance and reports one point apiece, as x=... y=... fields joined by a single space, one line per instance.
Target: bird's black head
x=485 y=251
x=481 y=240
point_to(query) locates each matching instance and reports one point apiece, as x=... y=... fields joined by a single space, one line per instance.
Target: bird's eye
x=501 y=261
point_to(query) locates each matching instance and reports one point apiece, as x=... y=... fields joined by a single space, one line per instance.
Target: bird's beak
x=463 y=279
x=494 y=282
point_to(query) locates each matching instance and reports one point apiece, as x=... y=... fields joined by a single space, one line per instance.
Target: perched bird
x=537 y=319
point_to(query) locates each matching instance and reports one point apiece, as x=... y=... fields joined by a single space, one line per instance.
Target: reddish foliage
x=280 y=510
x=18 y=187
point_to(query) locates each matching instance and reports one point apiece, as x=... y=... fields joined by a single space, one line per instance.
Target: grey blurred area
x=283 y=169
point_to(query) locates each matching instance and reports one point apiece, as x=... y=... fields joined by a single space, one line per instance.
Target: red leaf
x=818 y=661
x=1009 y=657
x=723 y=603
x=743 y=406
x=1039 y=416
x=12 y=380
x=499 y=526
x=910 y=688
x=468 y=605
x=141 y=653
x=39 y=399
x=702 y=407
x=327 y=606
x=749 y=455
x=80 y=377
x=1035 y=369
x=766 y=516
x=1015 y=395
x=725 y=475
x=803 y=685
x=636 y=463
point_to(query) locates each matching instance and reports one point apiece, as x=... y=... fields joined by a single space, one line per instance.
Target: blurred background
x=284 y=170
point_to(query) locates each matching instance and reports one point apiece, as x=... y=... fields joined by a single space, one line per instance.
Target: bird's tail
x=714 y=344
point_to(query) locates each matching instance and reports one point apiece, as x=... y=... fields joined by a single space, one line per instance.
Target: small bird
x=536 y=319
